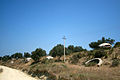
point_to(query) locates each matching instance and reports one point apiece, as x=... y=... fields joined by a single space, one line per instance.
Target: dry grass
x=66 y=71
x=74 y=72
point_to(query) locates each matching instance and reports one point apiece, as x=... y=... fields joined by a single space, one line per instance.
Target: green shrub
x=1 y=70
x=97 y=53
x=64 y=65
x=100 y=54
x=90 y=64
x=6 y=58
x=17 y=55
x=44 y=72
x=117 y=44
x=75 y=58
x=91 y=54
x=47 y=61
x=115 y=63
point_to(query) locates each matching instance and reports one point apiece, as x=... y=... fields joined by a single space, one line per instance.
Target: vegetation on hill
x=58 y=50
x=74 y=68
x=17 y=55
x=37 y=54
x=95 y=45
x=27 y=55
x=5 y=58
x=117 y=44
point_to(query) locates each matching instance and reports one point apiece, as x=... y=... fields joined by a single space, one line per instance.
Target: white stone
x=49 y=57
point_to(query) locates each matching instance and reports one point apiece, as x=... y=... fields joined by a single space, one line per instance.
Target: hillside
x=74 y=68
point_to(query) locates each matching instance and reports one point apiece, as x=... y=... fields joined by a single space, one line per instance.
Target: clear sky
x=29 y=24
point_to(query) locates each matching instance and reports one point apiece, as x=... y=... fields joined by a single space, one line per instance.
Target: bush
x=75 y=58
x=47 y=61
x=100 y=54
x=117 y=44
x=90 y=64
x=115 y=63
x=0 y=58
x=26 y=55
x=97 y=54
x=45 y=73
x=6 y=58
x=17 y=55
x=1 y=70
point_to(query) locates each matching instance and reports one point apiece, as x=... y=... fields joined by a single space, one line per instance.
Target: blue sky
x=29 y=24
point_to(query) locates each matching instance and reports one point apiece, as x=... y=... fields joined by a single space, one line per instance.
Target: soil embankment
x=13 y=74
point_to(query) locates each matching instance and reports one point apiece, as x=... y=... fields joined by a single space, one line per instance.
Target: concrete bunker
x=98 y=60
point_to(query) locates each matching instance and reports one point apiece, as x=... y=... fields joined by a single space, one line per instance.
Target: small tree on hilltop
x=26 y=55
x=71 y=48
x=75 y=49
x=0 y=58
x=6 y=57
x=59 y=51
x=17 y=55
x=78 y=49
x=37 y=54
x=117 y=44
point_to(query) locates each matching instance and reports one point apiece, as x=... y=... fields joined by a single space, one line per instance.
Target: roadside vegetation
x=74 y=68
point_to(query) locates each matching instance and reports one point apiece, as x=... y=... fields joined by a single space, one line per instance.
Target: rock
x=43 y=77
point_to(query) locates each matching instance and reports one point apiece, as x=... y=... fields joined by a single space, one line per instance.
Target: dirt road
x=13 y=74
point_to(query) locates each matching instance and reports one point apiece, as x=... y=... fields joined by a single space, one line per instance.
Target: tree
x=117 y=44
x=17 y=55
x=71 y=47
x=78 y=49
x=59 y=51
x=0 y=58
x=95 y=45
x=111 y=41
x=26 y=55
x=75 y=49
x=6 y=57
x=37 y=54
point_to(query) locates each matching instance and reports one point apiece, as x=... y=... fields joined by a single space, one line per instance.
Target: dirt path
x=13 y=74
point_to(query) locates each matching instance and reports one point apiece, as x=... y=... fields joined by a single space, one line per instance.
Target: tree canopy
x=75 y=49
x=17 y=55
x=26 y=55
x=5 y=58
x=95 y=45
x=37 y=54
x=59 y=50
x=117 y=44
